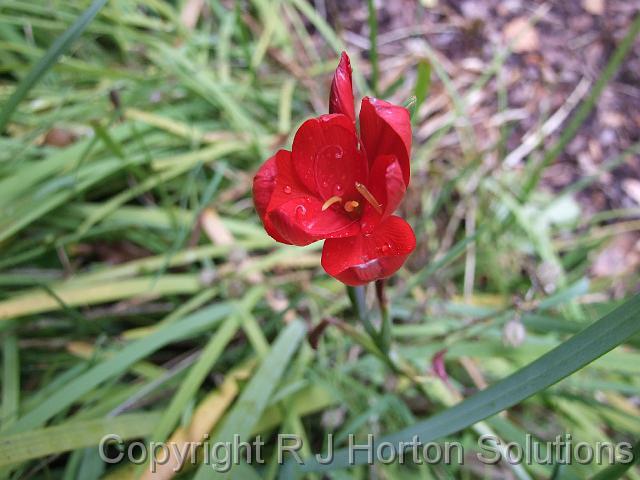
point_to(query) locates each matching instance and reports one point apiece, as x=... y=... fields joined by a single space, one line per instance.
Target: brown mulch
x=572 y=41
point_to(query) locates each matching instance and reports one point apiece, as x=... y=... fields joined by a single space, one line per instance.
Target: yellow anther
x=351 y=206
x=368 y=197
x=331 y=201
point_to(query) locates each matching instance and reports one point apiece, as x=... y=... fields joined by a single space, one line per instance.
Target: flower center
x=349 y=207
x=353 y=206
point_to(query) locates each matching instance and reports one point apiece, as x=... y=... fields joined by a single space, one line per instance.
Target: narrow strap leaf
x=58 y=48
x=572 y=355
x=19 y=447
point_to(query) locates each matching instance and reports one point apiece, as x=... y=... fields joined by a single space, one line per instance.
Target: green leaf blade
x=577 y=352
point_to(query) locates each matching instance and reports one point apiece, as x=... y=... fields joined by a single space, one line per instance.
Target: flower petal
x=264 y=184
x=385 y=129
x=289 y=212
x=302 y=221
x=326 y=157
x=287 y=186
x=386 y=184
x=364 y=258
x=341 y=97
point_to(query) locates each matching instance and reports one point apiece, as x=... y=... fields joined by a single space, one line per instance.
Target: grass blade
x=73 y=294
x=82 y=384
x=617 y=470
x=58 y=48
x=373 y=50
x=19 y=447
x=201 y=368
x=423 y=83
x=248 y=409
x=577 y=352
x=10 y=379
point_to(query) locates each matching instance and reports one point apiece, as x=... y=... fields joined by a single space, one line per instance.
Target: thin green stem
x=386 y=325
x=356 y=295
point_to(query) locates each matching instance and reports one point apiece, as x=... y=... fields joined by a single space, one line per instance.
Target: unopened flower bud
x=514 y=333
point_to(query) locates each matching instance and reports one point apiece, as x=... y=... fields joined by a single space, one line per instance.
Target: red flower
x=343 y=187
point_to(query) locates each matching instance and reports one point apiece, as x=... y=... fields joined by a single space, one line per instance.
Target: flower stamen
x=369 y=197
x=331 y=201
x=351 y=205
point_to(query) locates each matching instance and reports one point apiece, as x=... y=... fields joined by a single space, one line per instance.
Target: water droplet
x=365 y=257
x=301 y=212
x=287 y=189
x=330 y=170
x=329 y=154
x=367 y=229
x=386 y=248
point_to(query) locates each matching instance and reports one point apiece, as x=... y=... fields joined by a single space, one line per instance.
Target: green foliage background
x=125 y=166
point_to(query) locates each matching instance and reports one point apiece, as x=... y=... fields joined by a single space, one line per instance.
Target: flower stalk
x=381 y=338
x=356 y=295
x=386 y=325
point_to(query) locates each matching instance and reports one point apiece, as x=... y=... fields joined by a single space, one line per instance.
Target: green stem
x=381 y=339
x=386 y=327
x=356 y=295
x=378 y=343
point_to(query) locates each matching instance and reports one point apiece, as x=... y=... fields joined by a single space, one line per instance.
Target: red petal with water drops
x=264 y=184
x=385 y=129
x=386 y=184
x=302 y=221
x=296 y=214
x=287 y=186
x=341 y=97
x=364 y=258
x=326 y=157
